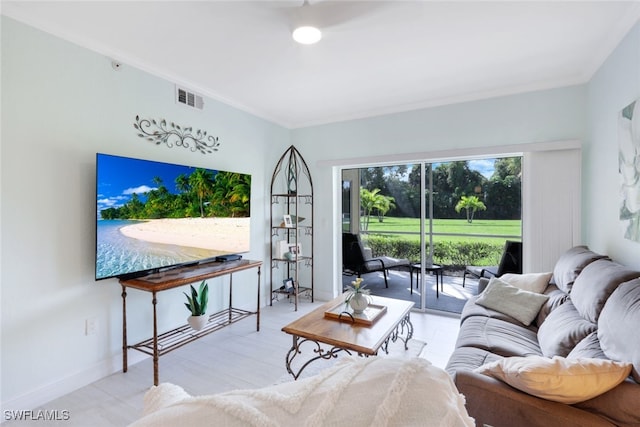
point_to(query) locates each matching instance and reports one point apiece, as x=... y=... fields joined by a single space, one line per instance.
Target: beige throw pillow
x=558 y=379
x=521 y=305
x=532 y=282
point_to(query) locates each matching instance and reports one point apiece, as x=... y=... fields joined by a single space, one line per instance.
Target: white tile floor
x=232 y=358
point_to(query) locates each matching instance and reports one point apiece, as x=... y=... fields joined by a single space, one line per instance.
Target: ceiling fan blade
x=326 y=13
x=334 y=13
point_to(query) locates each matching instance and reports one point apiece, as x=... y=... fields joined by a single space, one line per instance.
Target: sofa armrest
x=492 y=402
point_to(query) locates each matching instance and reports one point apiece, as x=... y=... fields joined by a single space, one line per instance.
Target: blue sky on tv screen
x=119 y=177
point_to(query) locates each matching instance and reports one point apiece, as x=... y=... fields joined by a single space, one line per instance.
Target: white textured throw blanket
x=375 y=391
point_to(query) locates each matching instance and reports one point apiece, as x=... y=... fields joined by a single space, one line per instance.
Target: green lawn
x=458 y=226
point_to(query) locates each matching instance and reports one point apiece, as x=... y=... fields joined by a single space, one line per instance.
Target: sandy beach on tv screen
x=231 y=234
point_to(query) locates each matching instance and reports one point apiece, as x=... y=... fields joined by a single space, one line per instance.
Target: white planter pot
x=359 y=302
x=198 y=322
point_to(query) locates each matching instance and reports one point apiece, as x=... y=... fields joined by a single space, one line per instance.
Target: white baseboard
x=48 y=392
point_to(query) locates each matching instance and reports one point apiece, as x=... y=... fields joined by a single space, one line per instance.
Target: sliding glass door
x=446 y=213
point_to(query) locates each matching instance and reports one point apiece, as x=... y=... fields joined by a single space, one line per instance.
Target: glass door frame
x=426 y=205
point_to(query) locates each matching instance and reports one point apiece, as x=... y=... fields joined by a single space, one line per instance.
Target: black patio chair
x=510 y=262
x=356 y=261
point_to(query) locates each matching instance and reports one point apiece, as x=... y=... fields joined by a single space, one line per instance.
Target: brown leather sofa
x=593 y=311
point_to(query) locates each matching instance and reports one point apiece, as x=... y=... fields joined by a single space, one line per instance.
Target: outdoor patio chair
x=510 y=262
x=356 y=260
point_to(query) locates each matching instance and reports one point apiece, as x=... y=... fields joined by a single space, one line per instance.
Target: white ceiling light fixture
x=307 y=34
x=305 y=31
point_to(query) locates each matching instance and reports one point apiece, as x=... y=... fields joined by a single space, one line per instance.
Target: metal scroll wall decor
x=175 y=135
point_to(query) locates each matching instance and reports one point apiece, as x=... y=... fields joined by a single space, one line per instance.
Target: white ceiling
x=375 y=57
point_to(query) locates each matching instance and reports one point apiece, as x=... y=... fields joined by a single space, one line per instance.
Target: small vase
x=359 y=302
x=198 y=322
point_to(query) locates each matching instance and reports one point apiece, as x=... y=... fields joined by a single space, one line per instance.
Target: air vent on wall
x=191 y=99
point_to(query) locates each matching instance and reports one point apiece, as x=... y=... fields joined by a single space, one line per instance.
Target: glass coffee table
x=324 y=338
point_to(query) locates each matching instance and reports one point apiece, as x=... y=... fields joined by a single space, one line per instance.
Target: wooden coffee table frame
x=343 y=336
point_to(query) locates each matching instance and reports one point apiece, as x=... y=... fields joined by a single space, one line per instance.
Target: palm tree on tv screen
x=202 y=183
x=232 y=193
x=240 y=194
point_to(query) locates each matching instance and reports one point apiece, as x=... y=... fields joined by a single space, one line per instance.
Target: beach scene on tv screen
x=152 y=215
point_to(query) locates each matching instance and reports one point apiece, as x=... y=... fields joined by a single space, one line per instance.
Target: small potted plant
x=197 y=305
x=357 y=296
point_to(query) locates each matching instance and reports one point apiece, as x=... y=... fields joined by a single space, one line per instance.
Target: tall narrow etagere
x=291 y=196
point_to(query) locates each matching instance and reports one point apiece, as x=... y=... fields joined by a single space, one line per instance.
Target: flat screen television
x=152 y=216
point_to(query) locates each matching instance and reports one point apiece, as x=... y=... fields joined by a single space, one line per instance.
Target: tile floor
x=233 y=358
x=452 y=296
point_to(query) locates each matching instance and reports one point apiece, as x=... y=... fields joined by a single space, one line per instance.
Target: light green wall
x=60 y=105
x=615 y=85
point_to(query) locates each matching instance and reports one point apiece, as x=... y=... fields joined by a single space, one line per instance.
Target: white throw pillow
x=515 y=302
x=558 y=379
x=532 y=282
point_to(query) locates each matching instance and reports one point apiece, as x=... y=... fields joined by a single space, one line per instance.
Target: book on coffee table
x=345 y=313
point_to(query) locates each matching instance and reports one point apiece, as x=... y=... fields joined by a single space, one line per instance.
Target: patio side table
x=433 y=269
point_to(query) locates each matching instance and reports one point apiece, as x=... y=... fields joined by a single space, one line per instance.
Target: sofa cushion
x=562 y=330
x=532 y=282
x=618 y=325
x=556 y=298
x=469 y=358
x=595 y=284
x=512 y=301
x=499 y=337
x=570 y=264
x=588 y=347
x=558 y=379
x=471 y=309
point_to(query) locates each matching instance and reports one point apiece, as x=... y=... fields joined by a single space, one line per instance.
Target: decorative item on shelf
x=288 y=284
x=287 y=221
x=357 y=297
x=295 y=220
x=295 y=251
x=281 y=247
x=177 y=135
x=197 y=305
